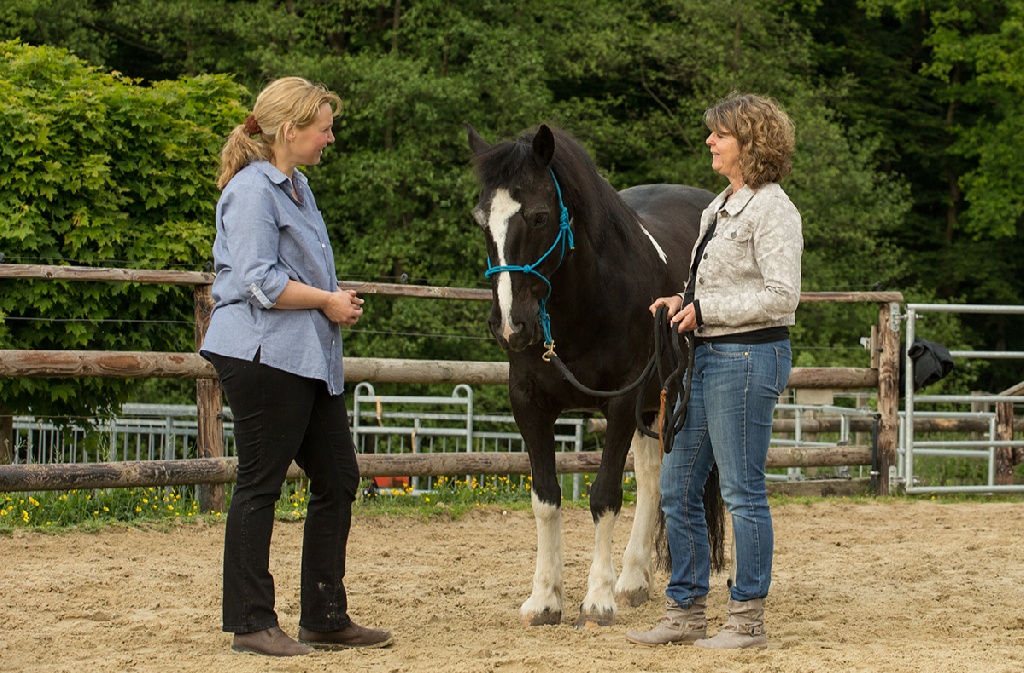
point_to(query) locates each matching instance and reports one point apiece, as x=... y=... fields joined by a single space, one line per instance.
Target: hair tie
x=251 y=126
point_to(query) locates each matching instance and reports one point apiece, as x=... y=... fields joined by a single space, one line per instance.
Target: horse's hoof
x=633 y=598
x=546 y=618
x=594 y=618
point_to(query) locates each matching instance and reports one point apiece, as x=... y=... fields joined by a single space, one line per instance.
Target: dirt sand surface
x=896 y=586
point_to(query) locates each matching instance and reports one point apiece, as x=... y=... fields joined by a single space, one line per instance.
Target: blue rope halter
x=563 y=239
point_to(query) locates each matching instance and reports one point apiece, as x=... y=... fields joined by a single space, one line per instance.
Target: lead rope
x=668 y=425
x=661 y=420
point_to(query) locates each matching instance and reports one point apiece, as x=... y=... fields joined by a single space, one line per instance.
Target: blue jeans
x=728 y=422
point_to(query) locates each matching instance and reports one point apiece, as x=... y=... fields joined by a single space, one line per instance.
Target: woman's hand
x=672 y=303
x=683 y=317
x=343 y=307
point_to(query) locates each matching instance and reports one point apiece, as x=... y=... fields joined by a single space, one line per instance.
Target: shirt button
x=734 y=234
x=322 y=245
x=700 y=280
x=705 y=255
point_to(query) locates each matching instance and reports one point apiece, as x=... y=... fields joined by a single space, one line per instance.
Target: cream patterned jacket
x=749 y=276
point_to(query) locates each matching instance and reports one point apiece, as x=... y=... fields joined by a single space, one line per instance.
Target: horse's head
x=521 y=213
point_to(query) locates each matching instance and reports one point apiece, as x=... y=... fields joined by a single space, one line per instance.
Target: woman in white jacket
x=739 y=302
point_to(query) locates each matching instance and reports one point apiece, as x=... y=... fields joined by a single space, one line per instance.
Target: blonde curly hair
x=289 y=99
x=763 y=131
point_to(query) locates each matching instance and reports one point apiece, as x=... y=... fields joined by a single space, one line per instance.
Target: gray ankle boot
x=679 y=625
x=745 y=628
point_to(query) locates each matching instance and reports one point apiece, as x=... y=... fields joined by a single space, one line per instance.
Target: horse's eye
x=539 y=219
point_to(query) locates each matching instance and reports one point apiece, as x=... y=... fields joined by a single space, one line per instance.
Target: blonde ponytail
x=240 y=150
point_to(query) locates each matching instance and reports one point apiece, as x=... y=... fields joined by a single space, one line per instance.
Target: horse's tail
x=662 y=553
x=714 y=514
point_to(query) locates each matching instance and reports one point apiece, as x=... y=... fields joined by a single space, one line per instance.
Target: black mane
x=586 y=193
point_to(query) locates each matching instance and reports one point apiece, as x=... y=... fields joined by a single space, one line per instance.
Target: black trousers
x=281 y=417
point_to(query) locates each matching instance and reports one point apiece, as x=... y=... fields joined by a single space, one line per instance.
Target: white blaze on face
x=503 y=207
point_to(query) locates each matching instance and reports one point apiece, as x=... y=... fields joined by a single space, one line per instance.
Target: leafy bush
x=100 y=170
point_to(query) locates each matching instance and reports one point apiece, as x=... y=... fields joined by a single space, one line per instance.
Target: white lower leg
x=599 y=603
x=548 y=592
x=634 y=583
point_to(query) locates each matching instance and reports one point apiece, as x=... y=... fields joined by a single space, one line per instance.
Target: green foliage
x=99 y=508
x=71 y=24
x=907 y=114
x=98 y=170
x=56 y=512
x=977 y=52
x=939 y=83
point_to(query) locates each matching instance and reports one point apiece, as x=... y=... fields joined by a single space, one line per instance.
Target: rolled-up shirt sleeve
x=252 y=240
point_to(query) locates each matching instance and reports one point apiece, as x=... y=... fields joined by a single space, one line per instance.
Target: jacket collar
x=276 y=176
x=739 y=199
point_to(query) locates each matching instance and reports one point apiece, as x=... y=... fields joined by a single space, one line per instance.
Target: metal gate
x=383 y=424
x=984 y=449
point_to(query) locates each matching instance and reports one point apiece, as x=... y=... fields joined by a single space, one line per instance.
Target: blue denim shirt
x=265 y=238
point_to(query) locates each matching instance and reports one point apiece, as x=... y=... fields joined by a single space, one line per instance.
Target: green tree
x=630 y=80
x=71 y=24
x=939 y=83
x=100 y=171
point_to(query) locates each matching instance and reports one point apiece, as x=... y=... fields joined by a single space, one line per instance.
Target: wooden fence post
x=888 y=391
x=1010 y=456
x=210 y=408
x=6 y=436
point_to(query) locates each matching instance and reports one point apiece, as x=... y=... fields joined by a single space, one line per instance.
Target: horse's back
x=668 y=205
x=671 y=214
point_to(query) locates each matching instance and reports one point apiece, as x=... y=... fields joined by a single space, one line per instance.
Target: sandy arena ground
x=883 y=586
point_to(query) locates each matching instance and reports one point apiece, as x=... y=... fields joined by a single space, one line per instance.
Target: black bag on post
x=932 y=362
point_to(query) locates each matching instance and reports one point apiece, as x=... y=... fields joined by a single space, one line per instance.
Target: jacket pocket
x=737 y=232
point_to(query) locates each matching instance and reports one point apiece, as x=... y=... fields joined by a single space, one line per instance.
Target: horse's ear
x=544 y=144
x=476 y=143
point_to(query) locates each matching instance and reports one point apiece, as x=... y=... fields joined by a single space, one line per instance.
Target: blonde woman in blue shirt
x=275 y=341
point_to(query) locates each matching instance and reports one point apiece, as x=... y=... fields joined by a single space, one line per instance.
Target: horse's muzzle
x=515 y=337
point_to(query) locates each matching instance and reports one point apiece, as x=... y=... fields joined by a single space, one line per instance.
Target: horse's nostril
x=509 y=330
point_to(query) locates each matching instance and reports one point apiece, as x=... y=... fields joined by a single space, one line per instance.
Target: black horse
x=575 y=266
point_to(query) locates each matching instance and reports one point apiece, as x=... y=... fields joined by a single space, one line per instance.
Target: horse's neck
x=615 y=247
x=604 y=272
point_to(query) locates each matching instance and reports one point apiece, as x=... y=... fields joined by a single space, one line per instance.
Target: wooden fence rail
x=212 y=470
x=140 y=364
x=135 y=474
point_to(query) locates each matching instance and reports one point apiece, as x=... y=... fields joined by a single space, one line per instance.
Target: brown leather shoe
x=352 y=635
x=272 y=642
